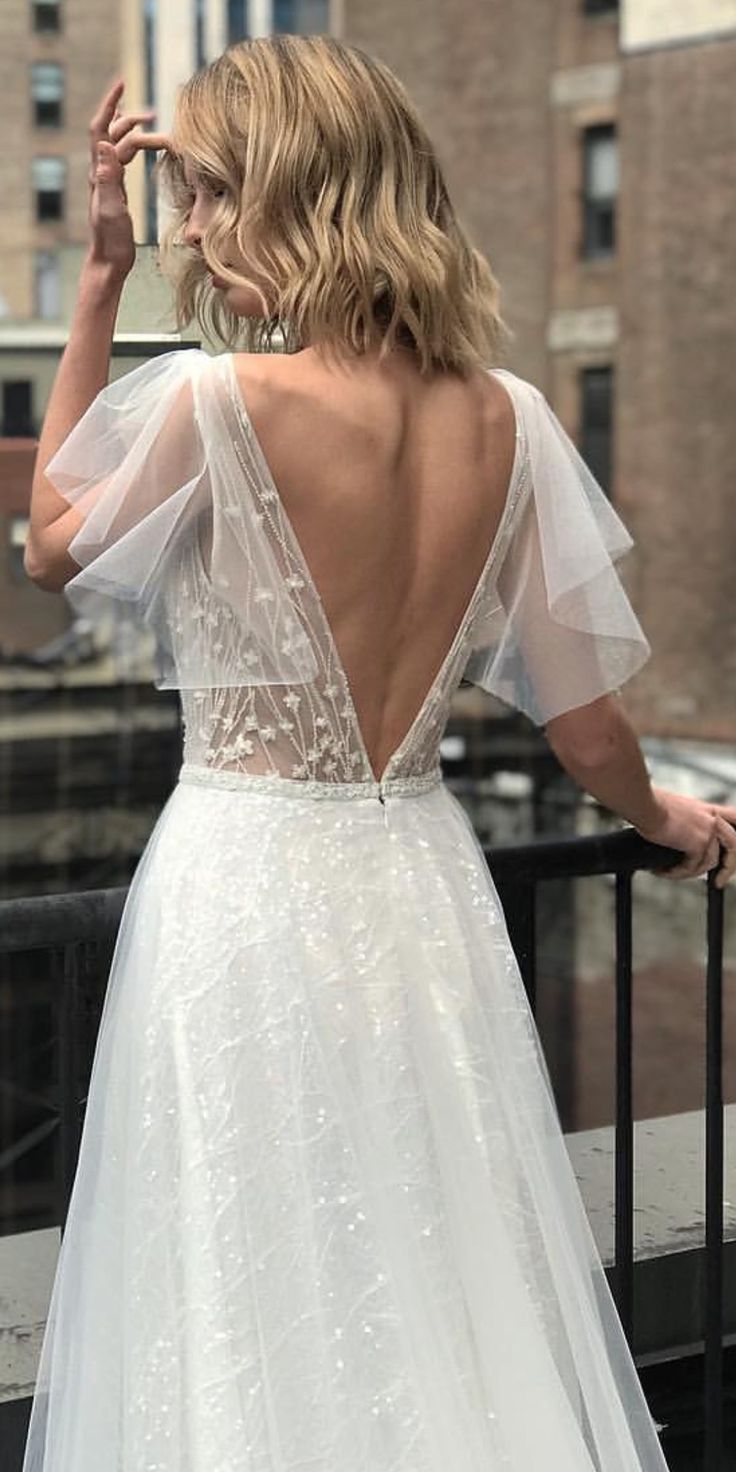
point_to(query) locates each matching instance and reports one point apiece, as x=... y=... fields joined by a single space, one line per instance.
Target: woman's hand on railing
x=699 y=830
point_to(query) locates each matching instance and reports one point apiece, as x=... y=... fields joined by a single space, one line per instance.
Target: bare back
x=394 y=487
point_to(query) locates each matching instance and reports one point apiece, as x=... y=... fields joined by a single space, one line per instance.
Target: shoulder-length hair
x=327 y=178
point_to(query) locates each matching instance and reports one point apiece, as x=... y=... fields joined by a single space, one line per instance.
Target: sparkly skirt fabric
x=324 y=1219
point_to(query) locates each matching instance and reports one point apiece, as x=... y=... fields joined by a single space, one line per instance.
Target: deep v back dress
x=323 y=1218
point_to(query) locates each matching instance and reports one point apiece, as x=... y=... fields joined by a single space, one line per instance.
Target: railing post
x=624 y=1186
x=713 y=1367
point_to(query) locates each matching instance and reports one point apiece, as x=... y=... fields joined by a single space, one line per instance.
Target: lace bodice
x=165 y=463
x=308 y=731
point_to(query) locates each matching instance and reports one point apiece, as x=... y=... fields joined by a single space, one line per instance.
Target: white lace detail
x=308 y=732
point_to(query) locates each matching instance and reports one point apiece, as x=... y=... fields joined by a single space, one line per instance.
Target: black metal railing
x=517 y=873
x=78 y=932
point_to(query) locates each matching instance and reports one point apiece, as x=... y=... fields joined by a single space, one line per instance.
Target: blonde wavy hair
x=334 y=193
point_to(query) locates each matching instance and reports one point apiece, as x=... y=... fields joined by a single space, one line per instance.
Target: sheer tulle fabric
x=166 y=450
x=324 y=1218
x=150 y=466
x=557 y=629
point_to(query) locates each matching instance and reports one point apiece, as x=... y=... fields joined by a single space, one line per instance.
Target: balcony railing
x=518 y=872
x=76 y=932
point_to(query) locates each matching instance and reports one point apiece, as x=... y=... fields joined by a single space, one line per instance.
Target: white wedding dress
x=324 y=1219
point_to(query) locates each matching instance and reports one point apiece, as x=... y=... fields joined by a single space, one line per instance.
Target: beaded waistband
x=308 y=787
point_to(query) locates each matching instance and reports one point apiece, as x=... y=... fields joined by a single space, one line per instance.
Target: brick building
x=589 y=146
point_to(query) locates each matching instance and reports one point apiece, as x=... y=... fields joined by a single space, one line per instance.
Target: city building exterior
x=589 y=146
x=57 y=58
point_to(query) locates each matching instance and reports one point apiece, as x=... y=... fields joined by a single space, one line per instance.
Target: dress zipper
x=382 y=800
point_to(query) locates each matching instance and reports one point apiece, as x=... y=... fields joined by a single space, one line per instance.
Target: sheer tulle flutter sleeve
x=558 y=630
x=150 y=464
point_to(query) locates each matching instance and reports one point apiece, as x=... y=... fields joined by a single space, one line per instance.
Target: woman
x=323 y=1215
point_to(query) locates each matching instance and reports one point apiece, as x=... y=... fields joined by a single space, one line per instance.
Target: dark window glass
x=47 y=15
x=18 y=408
x=596 y=423
x=301 y=17
x=237 y=21
x=49 y=175
x=47 y=94
x=49 y=205
x=600 y=7
x=600 y=188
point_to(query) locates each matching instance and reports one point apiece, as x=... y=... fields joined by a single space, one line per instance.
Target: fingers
x=727 y=867
x=108 y=180
x=718 y=853
x=718 y=845
x=106 y=110
x=123 y=124
x=109 y=126
x=129 y=145
x=724 y=811
x=106 y=165
x=98 y=128
x=700 y=862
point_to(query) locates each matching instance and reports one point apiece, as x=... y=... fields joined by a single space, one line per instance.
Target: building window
x=46 y=15
x=301 y=17
x=18 y=408
x=237 y=21
x=47 y=93
x=49 y=178
x=596 y=423
x=47 y=284
x=600 y=187
x=600 y=7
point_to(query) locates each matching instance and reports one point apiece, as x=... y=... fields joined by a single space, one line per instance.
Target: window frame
x=46 y=8
x=596 y=439
x=28 y=429
x=43 y=257
x=52 y=218
x=57 y=121
x=594 y=245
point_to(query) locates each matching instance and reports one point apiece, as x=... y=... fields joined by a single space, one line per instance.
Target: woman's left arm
x=85 y=362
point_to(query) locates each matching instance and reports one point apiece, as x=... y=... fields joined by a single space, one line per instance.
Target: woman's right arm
x=597 y=745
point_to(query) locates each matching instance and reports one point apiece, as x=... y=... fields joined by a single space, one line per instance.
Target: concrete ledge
x=577 y=85
x=669 y=1182
x=669 y=1224
x=669 y=1253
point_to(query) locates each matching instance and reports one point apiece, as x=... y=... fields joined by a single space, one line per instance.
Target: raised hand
x=114 y=142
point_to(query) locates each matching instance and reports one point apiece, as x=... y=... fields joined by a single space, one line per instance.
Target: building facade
x=57 y=58
x=590 y=147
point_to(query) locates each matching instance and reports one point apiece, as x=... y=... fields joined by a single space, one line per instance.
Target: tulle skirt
x=324 y=1218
